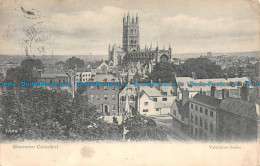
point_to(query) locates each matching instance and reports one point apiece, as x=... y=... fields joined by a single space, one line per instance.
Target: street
x=175 y=133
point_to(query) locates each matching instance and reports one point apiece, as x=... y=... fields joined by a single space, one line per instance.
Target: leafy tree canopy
x=163 y=72
x=202 y=67
x=143 y=128
x=24 y=72
x=71 y=62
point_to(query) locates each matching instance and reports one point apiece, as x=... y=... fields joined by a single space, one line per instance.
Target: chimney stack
x=244 y=92
x=185 y=96
x=213 y=91
x=226 y=75
x=193 y=75
x=225 y=93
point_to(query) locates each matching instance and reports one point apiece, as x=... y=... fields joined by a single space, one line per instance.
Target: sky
x=83 y=27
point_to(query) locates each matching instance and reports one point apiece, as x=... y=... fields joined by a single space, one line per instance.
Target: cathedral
x=130 y=56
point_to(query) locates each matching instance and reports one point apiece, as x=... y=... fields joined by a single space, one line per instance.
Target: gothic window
x=132 y=98
x=132 y=31
x=164 y=58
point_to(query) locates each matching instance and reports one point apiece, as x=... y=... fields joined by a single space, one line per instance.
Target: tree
x=50 y=115
x=163 y=72
x=202 y=67
x=143 y=128
x=71 y=62
x=60 y=63
x=23 y=73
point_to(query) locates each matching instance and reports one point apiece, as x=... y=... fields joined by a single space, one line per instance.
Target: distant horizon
x=107 y=55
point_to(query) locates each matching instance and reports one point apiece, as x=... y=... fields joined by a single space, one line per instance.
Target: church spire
x=137 y=18
x=124 y=19
x=128 y=17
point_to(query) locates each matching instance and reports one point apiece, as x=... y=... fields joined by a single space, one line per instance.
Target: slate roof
x=239 y=107
x=209 y=100
x=96 y=64
x=150 y=91
x=53 y=75
x=104 y=78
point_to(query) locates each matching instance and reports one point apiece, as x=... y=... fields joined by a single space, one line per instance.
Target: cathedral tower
x=131 y=34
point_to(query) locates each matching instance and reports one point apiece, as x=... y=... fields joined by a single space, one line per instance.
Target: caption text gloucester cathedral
x=130 y=56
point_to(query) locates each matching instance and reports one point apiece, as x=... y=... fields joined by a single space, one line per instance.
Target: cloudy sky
x=83 y=27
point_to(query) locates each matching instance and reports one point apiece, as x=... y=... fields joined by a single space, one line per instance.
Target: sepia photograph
x=127 y=82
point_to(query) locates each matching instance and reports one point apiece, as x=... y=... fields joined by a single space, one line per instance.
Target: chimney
x=159 y=84
x=236 y=75
x=185 y=96
x=225 y=93
x=213 y=91
x=226 y=75
x=193 y=75
x=244 y=92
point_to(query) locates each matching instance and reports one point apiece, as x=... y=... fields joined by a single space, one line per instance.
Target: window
x=83 y=79
x=196 y=107
x=200 y=122
x=123 y=98
x=191 y=106
x=113 y=87
x=191 y=130
x=191 y=118
x=145 y=103
x=97 y=96
x=97 y=87
x=157 y=109
x=174 y=112
x=164 y=99
x=105 y=87
x=196 y=120
x=206 y=124
x=211 y=127
x=206 y=112
x=196 y=132
x=211 y=114
x=91 y=97
x=201 y=110
x=113 y=107
x=145 y=110
x=105 y=97
x=132 y=98
x=113 y=97
x=155 y=99
x=205 y=136
x=164 y=93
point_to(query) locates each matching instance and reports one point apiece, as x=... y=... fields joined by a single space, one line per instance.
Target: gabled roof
x=84 y=69
x=150 y=91
x=183 y=109
x=209 y=100
x=239 y=107
x=96 y=64
x=105 y=78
